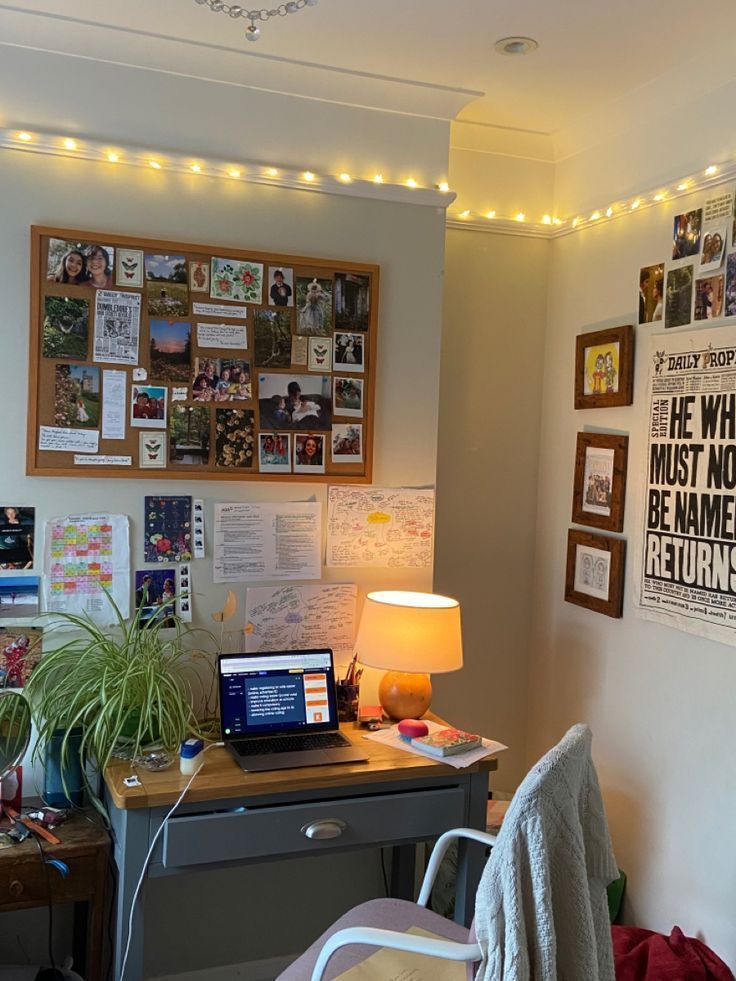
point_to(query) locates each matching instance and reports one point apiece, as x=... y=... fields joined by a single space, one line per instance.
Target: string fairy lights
x=374 y=184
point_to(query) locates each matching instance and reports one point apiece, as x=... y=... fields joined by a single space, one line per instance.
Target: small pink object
x=413 y=729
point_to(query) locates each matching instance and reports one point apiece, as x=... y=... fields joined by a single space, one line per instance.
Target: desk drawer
x=265 y=832
x=25 y=884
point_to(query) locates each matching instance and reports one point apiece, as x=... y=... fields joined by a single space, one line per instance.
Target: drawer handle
x=16 y=889
x=328 y=828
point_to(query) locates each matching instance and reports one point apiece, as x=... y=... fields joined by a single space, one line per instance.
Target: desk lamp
x=412 y=635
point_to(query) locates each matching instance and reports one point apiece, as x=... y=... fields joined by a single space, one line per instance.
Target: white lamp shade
x=413 y=632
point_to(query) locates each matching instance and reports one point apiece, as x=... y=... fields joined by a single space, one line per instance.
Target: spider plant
x=120 y=687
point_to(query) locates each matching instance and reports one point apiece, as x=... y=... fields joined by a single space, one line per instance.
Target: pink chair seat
x=386 y=914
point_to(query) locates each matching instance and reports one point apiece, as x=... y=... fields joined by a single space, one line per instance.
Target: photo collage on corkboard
x=158 y=358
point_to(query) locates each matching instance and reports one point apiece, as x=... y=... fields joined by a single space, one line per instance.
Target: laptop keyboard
x=290 y=744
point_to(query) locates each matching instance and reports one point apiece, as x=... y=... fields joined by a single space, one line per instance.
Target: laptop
x=278 y=710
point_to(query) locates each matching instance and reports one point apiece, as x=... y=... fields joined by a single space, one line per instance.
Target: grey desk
x=229 y=817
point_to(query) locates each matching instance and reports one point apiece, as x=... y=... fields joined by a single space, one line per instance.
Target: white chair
x=578 y=951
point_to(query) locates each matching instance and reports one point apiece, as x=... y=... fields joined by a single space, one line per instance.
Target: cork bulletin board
x=153 y=358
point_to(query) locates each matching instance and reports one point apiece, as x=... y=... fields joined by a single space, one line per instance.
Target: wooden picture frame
x=170 y=333
x=594 y=575
x=599 y=488
x=604 y=368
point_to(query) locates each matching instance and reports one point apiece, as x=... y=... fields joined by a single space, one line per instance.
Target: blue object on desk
x=54 y=782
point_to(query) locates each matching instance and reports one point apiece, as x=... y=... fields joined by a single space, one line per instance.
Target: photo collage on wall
x=697 y=282
x=200 y=361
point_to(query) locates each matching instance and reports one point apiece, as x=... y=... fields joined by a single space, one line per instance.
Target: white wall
x=490 y=406
x=660 y=702
x=408 y=243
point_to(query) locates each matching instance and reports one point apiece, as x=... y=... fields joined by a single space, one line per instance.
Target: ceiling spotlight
x=516 y=45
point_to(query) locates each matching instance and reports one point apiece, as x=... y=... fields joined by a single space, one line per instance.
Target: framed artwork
x=604 y=368
x=599 y=489
x=595 y=572
x=225 y=360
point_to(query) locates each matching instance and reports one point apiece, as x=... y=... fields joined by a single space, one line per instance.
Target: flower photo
x=234 y=440
x=236 y=279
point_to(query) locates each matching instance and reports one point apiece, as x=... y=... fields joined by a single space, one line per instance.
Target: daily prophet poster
x=380 y=527
x=687 y=566
x=281 y=618
x=86 y=556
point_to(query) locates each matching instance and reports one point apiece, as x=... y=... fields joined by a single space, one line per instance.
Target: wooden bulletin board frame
x=43 y=373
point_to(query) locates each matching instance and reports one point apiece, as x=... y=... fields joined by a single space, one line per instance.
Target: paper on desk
x=390 y=737
x=400 y=965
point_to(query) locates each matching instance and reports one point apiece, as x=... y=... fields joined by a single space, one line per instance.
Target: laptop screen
x=283 y=691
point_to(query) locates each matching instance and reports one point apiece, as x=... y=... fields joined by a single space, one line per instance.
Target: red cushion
x=642 y=955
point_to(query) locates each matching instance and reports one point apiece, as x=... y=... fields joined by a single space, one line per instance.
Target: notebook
x=278 y=710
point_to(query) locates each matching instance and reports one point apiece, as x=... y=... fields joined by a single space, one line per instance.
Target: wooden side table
x=85 y=849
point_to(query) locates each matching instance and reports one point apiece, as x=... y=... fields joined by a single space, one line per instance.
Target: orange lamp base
x=405 y=695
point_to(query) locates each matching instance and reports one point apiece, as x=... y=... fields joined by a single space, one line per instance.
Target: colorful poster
x=685 y=575
x=168 y=535
x=86 y=557
x=380 y=527
x=236 y=279
x=285 y=618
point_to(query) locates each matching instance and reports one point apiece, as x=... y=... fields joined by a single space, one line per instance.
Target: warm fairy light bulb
x=411 y=182
x=546 y=219
x=557 y=221
x=659 y=197
x=609 y=212
x=308 y=175
x=575 y=222
x=155 y=164
x=443 y=186
x=233 y=172
x=378 y=178
x=113 y=157
x=26 y=137
x=70 y=144
x=344 y=177
x=520 y=217
x=635 y=204
x=490 y=214
x=710 y=171
x=595 y=216
x=272 y=172
x=465 y=214
x=196 y=168
x=683 y=187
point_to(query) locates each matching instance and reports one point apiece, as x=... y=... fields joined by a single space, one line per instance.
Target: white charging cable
x=147 y=859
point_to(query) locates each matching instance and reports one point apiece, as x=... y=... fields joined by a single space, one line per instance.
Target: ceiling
x=592 y=54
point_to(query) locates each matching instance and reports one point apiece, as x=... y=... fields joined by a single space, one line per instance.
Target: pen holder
x=347 y=702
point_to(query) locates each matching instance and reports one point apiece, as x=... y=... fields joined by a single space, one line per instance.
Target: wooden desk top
x=222 y=778
x=81 y=834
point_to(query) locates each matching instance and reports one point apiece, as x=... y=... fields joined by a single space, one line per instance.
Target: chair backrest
x=541 y=910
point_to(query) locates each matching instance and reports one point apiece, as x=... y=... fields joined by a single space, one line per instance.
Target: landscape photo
x=171 y=350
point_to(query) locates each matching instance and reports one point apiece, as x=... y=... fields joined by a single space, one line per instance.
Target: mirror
x=15 y=729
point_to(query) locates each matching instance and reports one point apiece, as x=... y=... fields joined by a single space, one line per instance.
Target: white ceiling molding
x=501 y=141
x=249 y=172
x=113 y=44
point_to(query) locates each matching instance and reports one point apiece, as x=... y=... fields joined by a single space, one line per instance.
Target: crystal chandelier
x=253 y=32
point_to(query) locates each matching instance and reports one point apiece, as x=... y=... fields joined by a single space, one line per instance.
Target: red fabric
x=642 y=955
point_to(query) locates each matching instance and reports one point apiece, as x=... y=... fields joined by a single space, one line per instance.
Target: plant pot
x=63 y=787
x=130 y=730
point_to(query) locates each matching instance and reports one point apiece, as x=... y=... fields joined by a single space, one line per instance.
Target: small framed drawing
x=604 y=368
x=599 y=490
x=595 y=572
